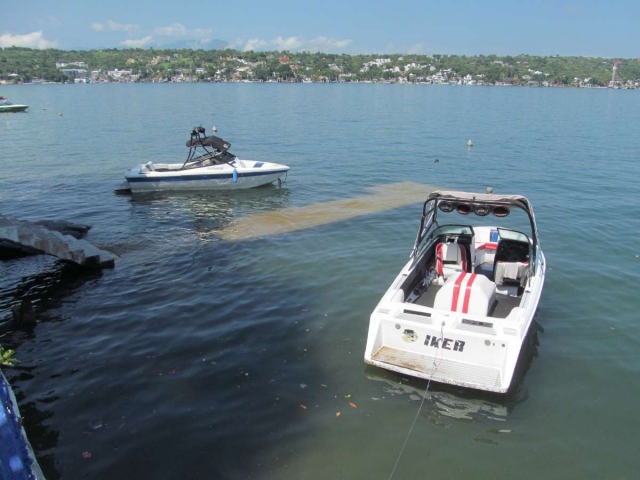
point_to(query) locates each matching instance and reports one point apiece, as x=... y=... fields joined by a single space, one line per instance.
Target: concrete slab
x=34 y=238
x=384 y=197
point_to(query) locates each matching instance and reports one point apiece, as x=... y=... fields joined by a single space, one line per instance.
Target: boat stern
x=442 y=347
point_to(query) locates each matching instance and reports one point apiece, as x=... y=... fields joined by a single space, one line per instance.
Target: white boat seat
x=466 y=293
x=511 y=273
x=450 y=258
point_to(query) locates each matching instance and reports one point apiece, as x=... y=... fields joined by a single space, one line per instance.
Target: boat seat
x=149 y=166
x=450 y=258
x=466 y=293
x=160 y=167
x=510 y=277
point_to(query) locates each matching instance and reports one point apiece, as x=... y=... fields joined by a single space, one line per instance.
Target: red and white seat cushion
x=466 y=293
x=450 y=258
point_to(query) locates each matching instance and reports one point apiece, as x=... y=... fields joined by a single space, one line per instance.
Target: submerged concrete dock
x=383 y=197
x=58 y=238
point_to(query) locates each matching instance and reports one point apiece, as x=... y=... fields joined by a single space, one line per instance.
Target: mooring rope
x=435 y=366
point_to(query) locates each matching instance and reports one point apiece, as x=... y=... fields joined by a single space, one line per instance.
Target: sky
x=462 y=27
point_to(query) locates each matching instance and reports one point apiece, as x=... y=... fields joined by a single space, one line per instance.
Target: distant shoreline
x=23 y=65
x=589 y=87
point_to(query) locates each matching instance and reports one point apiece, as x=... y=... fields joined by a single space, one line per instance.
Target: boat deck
x=428 y=297
x=500 y=309
x=503 y=306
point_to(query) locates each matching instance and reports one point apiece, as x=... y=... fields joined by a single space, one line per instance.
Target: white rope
x=435 y=366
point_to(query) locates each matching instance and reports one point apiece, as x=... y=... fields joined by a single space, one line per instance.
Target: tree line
x=24 y=64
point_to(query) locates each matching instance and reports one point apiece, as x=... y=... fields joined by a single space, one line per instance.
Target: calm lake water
x=192 y=358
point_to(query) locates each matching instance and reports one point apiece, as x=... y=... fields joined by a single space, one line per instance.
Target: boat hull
x=214 y=178
x=13 y=108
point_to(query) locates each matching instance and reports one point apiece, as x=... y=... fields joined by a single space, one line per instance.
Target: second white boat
x=214 y=169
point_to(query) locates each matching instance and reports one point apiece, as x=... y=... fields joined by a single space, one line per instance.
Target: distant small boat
x=7 y=106
x=215 y=169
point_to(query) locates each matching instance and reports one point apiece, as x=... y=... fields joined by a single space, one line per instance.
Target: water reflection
x=205 y=214
x=47 y=283
x=464 y=404
x=43 y=280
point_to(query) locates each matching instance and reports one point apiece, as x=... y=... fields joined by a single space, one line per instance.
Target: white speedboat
x=460 y=309
x=214 y=169
x=7 y=106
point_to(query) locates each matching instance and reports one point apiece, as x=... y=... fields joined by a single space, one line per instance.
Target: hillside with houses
x=23 y=65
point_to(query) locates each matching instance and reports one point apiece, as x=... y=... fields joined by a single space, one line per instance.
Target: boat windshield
x=507 y=234
x=439 y=205
x=450 y=230
x=439 y=230
x=210 y=159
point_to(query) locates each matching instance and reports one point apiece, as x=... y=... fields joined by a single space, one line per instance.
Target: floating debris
x=486 y=440
x=96 y=424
